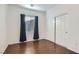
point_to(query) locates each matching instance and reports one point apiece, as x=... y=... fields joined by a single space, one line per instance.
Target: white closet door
x=61 y=29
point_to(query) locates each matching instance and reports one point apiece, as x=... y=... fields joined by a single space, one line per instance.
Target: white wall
x=3 y=29
x=72 y=22
x=14 y=12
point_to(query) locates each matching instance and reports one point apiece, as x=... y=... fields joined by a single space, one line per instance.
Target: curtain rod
x=30 y=15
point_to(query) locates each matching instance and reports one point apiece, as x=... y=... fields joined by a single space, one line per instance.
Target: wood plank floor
x=37 y=47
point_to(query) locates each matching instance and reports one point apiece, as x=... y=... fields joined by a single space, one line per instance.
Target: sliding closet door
x=61 y=29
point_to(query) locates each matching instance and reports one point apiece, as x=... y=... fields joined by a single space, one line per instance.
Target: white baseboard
x=3 y=49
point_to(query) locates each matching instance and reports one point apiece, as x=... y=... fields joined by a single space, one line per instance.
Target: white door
x=61 y=29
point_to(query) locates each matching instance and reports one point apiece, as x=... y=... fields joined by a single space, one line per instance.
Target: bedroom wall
x=3 y=28
x=14 y=12
x=73 y=21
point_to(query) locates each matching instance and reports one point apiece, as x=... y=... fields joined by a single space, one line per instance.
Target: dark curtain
x=36 y=29
x=22 y=29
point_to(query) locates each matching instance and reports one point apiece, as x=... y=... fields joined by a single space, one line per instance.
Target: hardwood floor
x=37 y=47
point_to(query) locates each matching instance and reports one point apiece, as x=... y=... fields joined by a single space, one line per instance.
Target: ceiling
x=40 y=7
